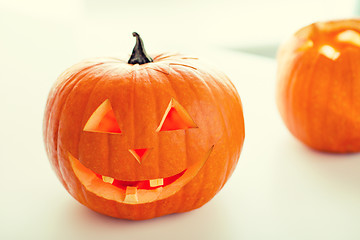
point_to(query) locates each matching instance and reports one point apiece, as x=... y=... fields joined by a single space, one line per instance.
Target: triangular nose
x=139 y=153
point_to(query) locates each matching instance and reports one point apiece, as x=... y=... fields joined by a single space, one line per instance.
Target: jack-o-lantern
x=146 y=138
x=318 y=91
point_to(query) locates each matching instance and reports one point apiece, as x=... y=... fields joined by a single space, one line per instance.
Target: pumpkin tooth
x=131 y=195
x=156 y=182
x=108 y=179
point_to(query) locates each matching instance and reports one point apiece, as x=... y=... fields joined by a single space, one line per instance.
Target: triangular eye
x=175 y=118
x=103 y=120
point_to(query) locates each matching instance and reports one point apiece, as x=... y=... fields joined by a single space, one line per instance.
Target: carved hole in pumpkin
x=144 y=184
x=139 y=154
x=329 y=52
x=308 y=44
x=135 y=192
x=103 y=120
x=175 y=118
x=183 y=64
x=349 y=36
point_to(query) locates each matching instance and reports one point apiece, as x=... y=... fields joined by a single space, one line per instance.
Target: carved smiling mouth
x=145 y=184
x=134 y=192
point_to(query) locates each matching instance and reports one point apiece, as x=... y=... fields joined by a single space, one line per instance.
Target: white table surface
x=280 y=189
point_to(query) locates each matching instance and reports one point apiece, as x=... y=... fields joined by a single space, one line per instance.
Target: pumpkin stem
x=139 y=55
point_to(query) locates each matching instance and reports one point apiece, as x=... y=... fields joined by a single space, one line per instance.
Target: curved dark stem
x=139 y=55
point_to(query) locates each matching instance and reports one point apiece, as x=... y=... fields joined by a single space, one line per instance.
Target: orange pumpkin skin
x=139 y=95
x=318 y=85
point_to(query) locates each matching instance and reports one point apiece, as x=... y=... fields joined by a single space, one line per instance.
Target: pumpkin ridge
x=156 y=147
x=189 y=84
x=51 y=102
x=289 y=86
x=139 y=73
x=50 y=115
x=173 y=92
x=310 y=83
x=109 y=162
x=227 y=139
x=287 y=89
x=354 y=96
x=132 y=106
x=227 y=169
x=83 y=120
x=357 y=87
x=198 y=75
x=155 y=67
x=58 y=157
x=324 y=116
x=342 y=83
x=75 y=80
x=182 y=64
x=224 y=124
x=185 y=136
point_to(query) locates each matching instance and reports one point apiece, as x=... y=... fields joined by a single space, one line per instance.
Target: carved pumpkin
x=146 y=138
x=318 y=89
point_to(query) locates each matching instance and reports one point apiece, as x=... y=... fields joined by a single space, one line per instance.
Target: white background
x=280 y=188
